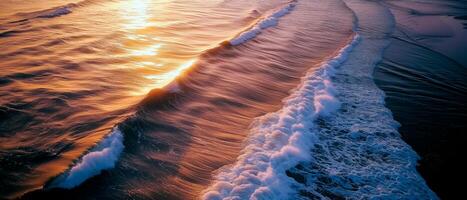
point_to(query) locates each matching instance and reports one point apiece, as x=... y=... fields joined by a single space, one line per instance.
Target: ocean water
x=221 y=99
x=423 y=73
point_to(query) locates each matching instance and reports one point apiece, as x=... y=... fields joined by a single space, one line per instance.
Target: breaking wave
x=101 y=157
x=265 y=23
x=333 y=138
x=280 y=140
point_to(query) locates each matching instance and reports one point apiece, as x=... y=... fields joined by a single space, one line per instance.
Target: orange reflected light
x=150 y=64
x=149 y=51
x=168 y=77
x=144 y=43
x=137 y=16
x=162 y=80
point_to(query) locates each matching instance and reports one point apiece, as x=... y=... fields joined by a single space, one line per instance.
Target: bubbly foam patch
x=279 y=141
x=103 y=156
x=359 y=153
x=267 y=22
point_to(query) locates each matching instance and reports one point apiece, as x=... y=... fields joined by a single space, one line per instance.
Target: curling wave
x=101 y=157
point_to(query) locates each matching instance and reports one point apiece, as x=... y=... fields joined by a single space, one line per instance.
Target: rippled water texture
x=220 y=99
x=70 y=72
x=423 y=74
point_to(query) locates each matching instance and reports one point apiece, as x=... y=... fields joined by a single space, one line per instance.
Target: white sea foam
x=333 y=138
x=265 y=23
x=279 y=141
x=101 y=157
x=359 y=153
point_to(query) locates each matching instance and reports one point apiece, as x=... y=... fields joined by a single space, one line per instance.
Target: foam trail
x=269 y=21
x=279 y=141
x=358 y=153
x=101 y=157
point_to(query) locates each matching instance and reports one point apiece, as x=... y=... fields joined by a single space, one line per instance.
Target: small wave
x=267 y=22
x=55 y=12
x=280 y=140
x=51 y=12
x=102 y=157
x=47 y=13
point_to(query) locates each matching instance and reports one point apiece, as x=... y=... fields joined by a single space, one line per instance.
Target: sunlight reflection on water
x=137 y=15
x=158 y=66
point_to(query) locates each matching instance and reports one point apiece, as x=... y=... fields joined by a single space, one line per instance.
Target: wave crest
x=267 y=22
x=55 y=12
x=101 y=157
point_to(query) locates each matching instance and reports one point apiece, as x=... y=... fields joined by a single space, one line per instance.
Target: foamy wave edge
x=101 y=157
x=265 y=23
x=279 y=141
